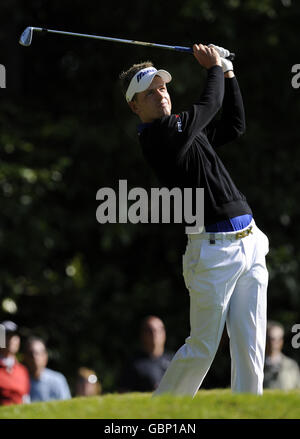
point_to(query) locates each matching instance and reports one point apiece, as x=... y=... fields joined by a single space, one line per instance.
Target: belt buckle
x=244 y=233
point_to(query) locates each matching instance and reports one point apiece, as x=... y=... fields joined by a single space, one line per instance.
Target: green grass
x=211 y=404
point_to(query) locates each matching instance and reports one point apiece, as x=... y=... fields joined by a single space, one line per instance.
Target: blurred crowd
x=25 y=377
x=31 y=380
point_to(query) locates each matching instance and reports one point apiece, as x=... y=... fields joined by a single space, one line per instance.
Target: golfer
x=224 y=265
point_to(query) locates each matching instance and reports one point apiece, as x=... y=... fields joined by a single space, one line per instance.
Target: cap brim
x=142 y=83
x=162 y=73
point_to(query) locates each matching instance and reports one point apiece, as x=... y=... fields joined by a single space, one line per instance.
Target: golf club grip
x=231 y=56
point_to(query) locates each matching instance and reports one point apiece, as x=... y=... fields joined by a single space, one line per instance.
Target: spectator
x=145 y=370
x=280 y=372
x=14 y=378
x=87 y=383
x=45 y=384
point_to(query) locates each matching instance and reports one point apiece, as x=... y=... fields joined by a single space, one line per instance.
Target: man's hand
x=221 y=50
x=206 y=56
x=227 y=65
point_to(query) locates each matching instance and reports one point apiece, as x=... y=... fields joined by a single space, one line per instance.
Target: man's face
x=153 y=334
x=274 y=340
x=152 y=103
x=12 y=344
x=36 y=356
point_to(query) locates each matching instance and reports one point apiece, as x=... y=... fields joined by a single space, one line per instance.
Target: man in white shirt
x=45 y=384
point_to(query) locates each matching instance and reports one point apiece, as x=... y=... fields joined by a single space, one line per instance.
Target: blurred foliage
x=66 y=131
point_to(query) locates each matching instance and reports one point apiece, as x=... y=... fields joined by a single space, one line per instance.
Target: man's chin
x=165 y=111
x=158 y=114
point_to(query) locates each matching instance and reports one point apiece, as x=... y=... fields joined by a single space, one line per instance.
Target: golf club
x=26 y=39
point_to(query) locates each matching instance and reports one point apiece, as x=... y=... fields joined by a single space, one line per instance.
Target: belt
x=231 y=236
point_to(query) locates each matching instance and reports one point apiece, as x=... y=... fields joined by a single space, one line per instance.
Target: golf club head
x=26 y=37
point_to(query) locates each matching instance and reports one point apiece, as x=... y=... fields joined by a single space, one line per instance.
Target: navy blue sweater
x=181 y=148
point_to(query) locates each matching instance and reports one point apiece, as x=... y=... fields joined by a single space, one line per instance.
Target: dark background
x=66 y=131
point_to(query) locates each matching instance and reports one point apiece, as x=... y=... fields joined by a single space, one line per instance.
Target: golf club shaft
x=120 y=40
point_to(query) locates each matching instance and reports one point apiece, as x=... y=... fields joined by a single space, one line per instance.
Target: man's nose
x=159 y=93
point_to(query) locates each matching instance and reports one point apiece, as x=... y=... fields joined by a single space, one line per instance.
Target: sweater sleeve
x=203 y=111
x=178 y=131
x=231 y=124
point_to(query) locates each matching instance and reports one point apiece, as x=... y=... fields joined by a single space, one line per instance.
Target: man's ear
x=133 y=106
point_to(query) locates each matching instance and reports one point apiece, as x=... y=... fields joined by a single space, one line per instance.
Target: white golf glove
x=226 y=65
x=221 y=51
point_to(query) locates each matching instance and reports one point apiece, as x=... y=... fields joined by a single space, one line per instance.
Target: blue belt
x=230 y=225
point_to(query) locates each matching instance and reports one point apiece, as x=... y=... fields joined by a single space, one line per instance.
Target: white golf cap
x=143 y=78
x=9 y=326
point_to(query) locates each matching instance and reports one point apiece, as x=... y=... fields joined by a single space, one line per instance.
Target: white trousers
x=227 y=282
